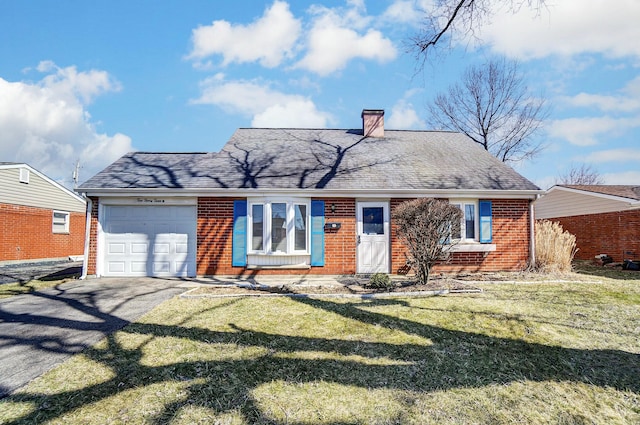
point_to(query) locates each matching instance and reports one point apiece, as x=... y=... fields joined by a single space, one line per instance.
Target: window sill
x=279 y=254
x=278 y=267
x=473 y=247
x=278 y=261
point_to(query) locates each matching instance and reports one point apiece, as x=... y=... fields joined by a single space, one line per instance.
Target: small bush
x=380 y=281
x=555 y=247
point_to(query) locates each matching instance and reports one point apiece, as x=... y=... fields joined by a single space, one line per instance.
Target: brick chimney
x=373 y=122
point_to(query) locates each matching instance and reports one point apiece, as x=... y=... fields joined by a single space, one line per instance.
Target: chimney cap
x=372 y=112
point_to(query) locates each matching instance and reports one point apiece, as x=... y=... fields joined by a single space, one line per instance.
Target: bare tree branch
x=583 y=174
x=448 y=18
x=492 y=106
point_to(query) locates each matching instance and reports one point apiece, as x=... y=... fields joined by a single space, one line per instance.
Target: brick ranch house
x=303 y=201
x=604 y=218
x=39 y=219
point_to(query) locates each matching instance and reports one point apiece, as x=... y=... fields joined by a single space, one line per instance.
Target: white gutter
x=87 y=234
x=343 y=193
x=532 y=234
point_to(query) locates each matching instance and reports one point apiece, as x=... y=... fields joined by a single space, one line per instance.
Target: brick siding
x=215 y=228
x=616 y=234
x=511 y=225
x=93 y=238
x=27 y=234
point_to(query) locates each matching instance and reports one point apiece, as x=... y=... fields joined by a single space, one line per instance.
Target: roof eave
x=339 y=193
x=631 y=202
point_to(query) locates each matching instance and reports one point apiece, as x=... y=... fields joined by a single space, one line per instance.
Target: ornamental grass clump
x=555 y=247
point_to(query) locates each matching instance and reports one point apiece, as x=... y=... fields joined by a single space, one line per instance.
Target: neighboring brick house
x=303 y=201
x=604 y=218
x=39 y=218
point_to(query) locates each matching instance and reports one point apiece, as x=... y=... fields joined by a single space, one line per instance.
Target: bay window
x=279 y=226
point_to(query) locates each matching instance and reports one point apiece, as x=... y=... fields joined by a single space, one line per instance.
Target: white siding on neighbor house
x=565 y=203
x=39 y=192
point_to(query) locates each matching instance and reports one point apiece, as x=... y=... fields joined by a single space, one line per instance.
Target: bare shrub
x=555 y=247
x=425 y=226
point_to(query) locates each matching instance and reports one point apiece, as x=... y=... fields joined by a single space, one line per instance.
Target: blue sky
x=91 y=80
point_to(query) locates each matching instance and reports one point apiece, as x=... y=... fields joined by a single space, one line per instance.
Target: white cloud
x=268 y=40
x=295 y=113
x=628 y=99
x=411 y=12
x=404 y=117
x=566 y=28
x=268 y=107
x=614 y=155
x=586 y=131
x=625 y=177
x=46 y=125
x=334 y=40
x=602 y=102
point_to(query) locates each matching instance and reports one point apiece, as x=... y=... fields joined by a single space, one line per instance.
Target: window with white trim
x=469 y=222
x=279 y=226
x=60 y=222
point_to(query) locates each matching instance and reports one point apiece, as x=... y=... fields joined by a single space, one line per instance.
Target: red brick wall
x=511 y=224
x=616 y=234
x=215 y=234
x=215 y=229
x=339 y=245
x=93 y=238
x=27 y=234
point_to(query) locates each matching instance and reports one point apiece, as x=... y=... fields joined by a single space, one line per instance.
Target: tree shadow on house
x=227 y=384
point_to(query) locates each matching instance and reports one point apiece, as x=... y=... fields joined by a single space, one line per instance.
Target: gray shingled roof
x=320 y=159
x=623 y=191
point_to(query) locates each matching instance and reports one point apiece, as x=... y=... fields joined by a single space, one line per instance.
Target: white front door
x=373 y=237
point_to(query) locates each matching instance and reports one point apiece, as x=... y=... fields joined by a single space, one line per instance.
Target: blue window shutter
x=317 y=233
x=239 y=242
x=486 y=222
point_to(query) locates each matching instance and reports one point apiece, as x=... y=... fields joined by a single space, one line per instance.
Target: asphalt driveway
x=46 y=270
x=42 y=329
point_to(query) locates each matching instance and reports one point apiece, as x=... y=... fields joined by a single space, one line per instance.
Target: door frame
x=387 y=233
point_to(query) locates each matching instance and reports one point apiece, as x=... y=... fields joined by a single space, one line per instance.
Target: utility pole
x=76 y=174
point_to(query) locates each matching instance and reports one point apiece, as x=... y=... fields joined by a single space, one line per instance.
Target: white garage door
x=149 y=241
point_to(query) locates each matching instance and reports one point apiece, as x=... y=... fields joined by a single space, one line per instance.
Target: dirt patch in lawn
x=358 y=285
x=355 y=285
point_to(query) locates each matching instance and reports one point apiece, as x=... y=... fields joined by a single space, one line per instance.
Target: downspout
x=532 y=234
x=87 y=234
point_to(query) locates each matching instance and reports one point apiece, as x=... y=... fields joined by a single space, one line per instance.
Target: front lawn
x=532 y=353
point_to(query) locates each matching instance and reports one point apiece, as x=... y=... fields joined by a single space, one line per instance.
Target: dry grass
x=535 y=353
x=10 y=289
x=555 y=247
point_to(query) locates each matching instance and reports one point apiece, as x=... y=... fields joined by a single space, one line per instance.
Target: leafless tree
x=425 y=226
x=492 y=105
x=583 y=174
x=447 y=18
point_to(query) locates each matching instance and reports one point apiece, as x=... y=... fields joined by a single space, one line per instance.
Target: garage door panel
x=161 y=267
x=149 y=240
x=161 y=248
x=116 y=248
x=139 y=248
x=116 y=266
x=139 y=267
